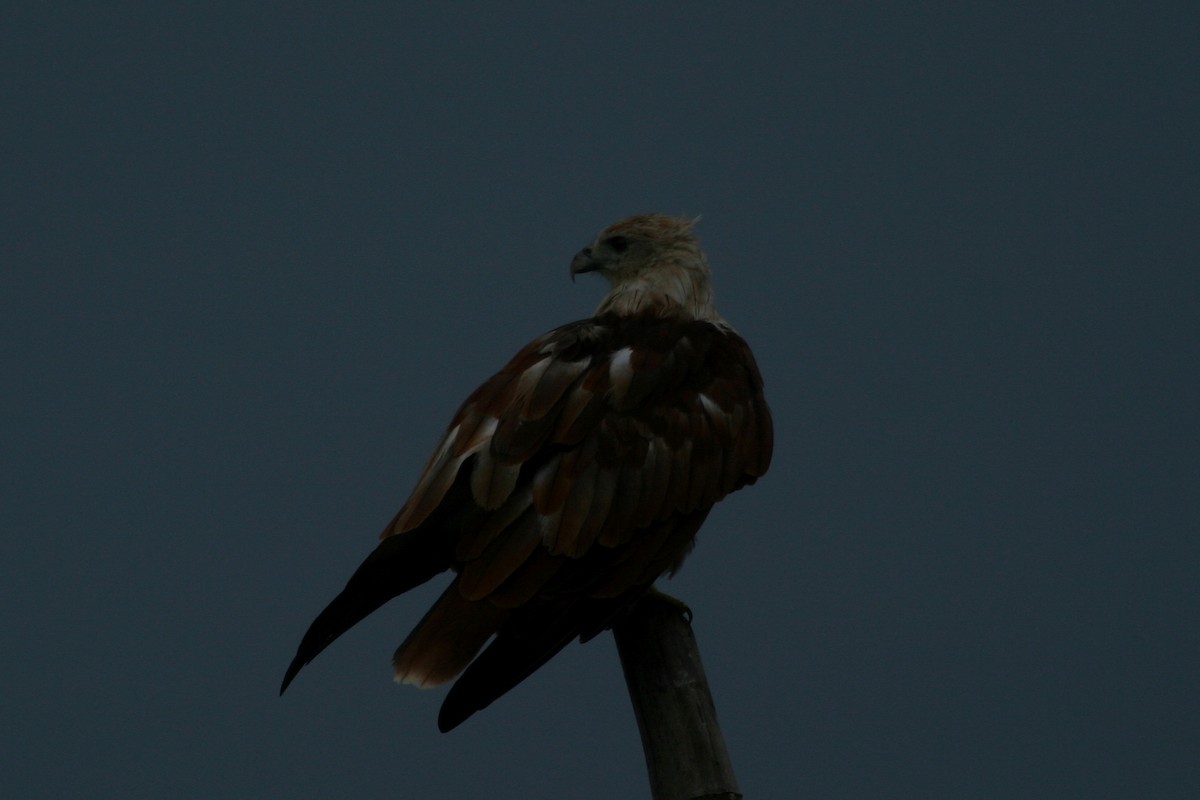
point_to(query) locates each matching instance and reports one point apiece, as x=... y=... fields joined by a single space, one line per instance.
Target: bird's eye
x=619 y=244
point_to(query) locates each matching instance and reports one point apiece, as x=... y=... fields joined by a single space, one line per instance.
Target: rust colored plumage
x=572 y=478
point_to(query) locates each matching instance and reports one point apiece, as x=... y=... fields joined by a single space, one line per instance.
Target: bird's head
x=653 y=263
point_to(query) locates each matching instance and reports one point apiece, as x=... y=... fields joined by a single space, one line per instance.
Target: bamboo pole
x=685 y=750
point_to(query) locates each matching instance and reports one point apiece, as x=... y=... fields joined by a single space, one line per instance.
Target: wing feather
x=492 y=479
x=475 y=539
x=431 y=487
x=603 y=486
x=473 y=430
x=584 y=407
x=626 y=498
x=528 y=580
x=543 y=485
x=502 y=556
x=580 y=492
x=656 y=480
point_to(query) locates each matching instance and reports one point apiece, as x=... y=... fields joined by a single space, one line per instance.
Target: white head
x=653 y=264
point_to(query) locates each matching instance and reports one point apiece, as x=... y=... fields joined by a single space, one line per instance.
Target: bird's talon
x=683 y=608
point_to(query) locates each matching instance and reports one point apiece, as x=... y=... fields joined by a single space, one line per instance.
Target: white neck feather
x=671 y=287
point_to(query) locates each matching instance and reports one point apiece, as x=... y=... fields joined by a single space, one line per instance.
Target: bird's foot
x=683 y=608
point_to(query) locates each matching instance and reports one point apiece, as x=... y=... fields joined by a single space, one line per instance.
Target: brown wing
x=566 y=484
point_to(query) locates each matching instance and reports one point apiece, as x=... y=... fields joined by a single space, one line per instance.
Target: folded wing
x=563 y=487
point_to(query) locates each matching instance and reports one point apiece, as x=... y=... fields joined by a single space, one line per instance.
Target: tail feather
x=527 y=641
x=446 y=639
x=398 y=564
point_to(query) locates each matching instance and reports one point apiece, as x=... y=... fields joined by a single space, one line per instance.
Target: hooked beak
x=583 y=262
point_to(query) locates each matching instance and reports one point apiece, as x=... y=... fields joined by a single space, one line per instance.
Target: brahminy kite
x=572 y=478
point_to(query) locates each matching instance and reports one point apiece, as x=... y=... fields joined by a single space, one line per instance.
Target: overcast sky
x=252 y=257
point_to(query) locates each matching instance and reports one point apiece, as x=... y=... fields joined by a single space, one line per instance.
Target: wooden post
x=685 y=751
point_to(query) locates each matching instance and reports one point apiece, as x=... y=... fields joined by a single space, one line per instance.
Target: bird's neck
x=673 y=288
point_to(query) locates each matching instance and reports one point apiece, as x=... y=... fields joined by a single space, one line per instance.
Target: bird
x=570 y=480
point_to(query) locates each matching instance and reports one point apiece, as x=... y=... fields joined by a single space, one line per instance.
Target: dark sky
x=253 y=257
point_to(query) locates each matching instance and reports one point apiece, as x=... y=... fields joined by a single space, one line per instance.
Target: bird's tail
x=446 y=639
x=533 y=635
x=399 y=563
